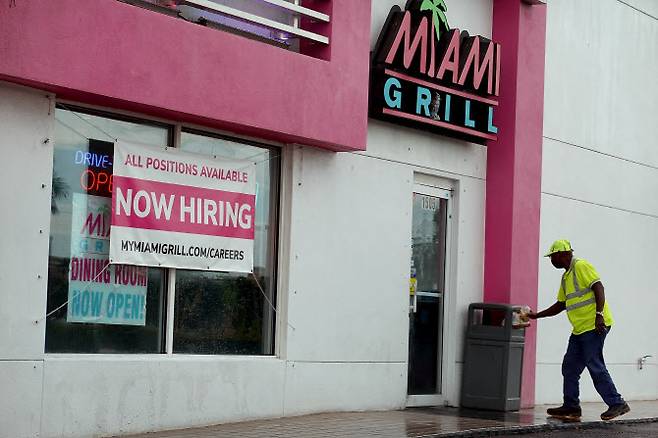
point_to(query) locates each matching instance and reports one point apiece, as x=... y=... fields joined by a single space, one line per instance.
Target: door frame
x=441 y=188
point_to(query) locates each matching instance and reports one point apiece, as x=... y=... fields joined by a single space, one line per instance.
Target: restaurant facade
x=396 y=161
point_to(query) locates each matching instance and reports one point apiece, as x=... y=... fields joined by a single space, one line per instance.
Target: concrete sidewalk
x=414 y=422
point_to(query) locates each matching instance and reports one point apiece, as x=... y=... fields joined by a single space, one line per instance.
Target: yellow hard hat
x=559 y=246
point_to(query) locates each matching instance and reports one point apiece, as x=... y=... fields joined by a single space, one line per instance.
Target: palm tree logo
x=439 y=19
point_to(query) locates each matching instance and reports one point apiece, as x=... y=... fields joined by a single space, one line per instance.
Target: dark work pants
x=586 y=350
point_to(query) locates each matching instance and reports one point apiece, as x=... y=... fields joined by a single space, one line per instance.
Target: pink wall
x=514 y=169
x=109 y=53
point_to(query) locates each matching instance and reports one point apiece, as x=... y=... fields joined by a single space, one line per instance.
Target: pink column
x=514 y=169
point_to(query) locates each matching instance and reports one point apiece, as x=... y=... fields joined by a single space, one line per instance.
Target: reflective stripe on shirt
x=578 y=292
x=581 y=304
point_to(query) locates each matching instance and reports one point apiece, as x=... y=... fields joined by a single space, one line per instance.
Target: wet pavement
x=646 y=430
x=431 y=422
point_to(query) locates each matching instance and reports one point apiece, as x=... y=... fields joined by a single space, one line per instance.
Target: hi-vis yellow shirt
x=577 y=294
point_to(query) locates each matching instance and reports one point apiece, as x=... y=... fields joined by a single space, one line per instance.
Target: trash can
x=493 y=358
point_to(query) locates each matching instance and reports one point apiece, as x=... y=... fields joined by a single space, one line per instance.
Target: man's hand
x=531 y=315
x=599 y=323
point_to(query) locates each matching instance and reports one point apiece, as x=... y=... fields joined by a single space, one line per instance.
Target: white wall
x=105 y=395
x=25 y=177
x=26 y=164
x=345 y=294
x=600 y=180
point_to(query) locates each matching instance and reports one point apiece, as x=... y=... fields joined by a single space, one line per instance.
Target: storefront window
x=228 y=313
x=94 y=307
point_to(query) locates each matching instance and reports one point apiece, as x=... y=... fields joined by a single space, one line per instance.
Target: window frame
x=175 y=130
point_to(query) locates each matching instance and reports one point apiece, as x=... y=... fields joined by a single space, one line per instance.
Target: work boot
x=615 y=411
x=565 y=413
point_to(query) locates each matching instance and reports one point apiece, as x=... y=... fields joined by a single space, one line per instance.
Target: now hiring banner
x=180 y=210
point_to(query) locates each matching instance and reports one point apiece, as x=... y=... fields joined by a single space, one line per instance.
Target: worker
x=581 y=294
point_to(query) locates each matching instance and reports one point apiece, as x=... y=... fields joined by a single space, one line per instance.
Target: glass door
x=426 y=292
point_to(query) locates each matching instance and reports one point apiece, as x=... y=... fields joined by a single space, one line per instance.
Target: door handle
x=413 y=307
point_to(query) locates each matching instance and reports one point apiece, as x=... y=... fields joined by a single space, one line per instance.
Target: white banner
x=180 y=210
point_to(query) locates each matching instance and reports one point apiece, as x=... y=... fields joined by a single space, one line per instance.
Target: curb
x=523 y=430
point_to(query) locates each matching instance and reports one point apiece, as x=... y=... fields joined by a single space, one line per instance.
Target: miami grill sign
x=428 y=76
